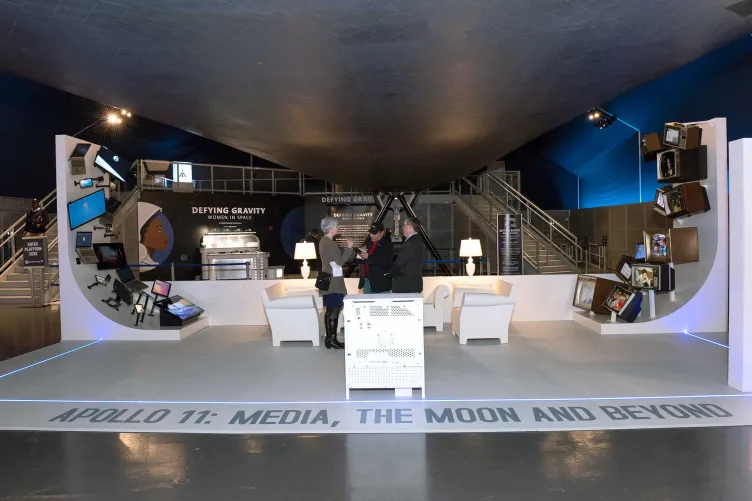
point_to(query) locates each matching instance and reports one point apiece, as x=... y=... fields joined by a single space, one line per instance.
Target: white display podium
x=384 y=343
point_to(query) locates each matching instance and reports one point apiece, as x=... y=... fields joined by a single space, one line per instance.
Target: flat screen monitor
x=111 y=163
x=83 y=239
x=180 y=307
x=110 y=256
x=123 y=292
x=86 y=209
x=80 y=150
x=639 y=251
x=161 y=288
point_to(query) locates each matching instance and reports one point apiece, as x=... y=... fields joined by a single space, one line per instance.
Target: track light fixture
x=600 y=117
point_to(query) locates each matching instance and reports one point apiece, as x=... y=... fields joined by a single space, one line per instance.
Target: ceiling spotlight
x=597 y=114
x=129 y=114
x=123 y=112
x=590 y=116
x=119 y=120
x=112 y=118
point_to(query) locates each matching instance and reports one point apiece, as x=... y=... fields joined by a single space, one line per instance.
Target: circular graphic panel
x=156 y=236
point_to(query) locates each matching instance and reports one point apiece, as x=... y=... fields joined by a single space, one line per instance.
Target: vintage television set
x=685 y=245
x=603 y=287
x=626 y=303
x=78 y=159
x=639 y=254
x=584 y=292
x=650 y=146
x=659 y=201
x=684 y=137
x=111 y=163
x=110 y=255
x=657 y=246
x=85 y=209
x=177 y=311
x=657 y=277
x=679 y=166
x=686 y=200
x=623 y=270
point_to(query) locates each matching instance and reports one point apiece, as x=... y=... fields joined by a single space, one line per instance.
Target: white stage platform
x=230 y=373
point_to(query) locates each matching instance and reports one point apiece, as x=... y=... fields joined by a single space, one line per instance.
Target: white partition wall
x=740 y=282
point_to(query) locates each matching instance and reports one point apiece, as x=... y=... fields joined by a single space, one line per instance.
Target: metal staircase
x=548 y=247
x=14 y=280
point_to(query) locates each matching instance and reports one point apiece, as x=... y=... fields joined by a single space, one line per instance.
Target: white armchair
x=485 y=314
x=433 y=307
x=292 y=317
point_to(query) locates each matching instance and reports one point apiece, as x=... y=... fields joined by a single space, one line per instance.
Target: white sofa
x=293 y=315
x=433 y=307
x=484 y=314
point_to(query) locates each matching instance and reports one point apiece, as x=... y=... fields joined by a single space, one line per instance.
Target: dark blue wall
x=31 y=115
x=716 y=85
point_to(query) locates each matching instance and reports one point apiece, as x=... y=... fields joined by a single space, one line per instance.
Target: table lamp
x=470 y=248
x=305 y=251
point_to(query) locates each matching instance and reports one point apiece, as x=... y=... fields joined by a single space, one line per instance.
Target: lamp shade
x=305 y=250
x=470 y=248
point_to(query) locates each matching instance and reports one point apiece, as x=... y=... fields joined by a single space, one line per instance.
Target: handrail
x=44 y=203
x=522 y=198
x=15 y=254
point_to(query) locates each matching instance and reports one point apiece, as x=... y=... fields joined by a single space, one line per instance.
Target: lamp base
x=470 y=267
x=305 y=270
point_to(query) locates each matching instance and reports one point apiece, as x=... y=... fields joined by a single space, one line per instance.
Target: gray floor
x=704 y=464
x=542 y=360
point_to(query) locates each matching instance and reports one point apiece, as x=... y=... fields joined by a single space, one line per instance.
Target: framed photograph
x=646 y=276
x=657 y=246
x=584 y=292
x=624 y=269
x=618 y=298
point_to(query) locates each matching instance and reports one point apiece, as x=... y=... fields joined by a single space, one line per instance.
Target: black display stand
x=113 y=302
x=154 y=303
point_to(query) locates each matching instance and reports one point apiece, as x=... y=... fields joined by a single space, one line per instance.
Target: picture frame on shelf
x=657 y=246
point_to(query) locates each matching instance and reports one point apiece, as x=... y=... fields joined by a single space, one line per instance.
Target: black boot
x=331 y=328
x=327 y=329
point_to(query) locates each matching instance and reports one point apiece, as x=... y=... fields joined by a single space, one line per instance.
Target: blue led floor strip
x=395 y=401
x=48 y=359
x=706 y=340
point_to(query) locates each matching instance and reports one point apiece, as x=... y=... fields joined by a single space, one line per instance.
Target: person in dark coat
x=377 y=262
x=36 y=219
x=406 y=271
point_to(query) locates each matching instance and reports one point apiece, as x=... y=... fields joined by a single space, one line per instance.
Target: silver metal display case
x=233 y=249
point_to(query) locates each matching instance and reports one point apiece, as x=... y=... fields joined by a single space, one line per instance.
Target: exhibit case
x=233 y=249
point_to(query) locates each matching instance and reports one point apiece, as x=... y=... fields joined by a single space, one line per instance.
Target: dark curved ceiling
x=366 y=93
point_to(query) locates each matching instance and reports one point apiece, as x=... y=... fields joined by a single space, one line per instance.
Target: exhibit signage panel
x=171 y=226
x=355 y=212
x=34 y=252
x=510 y=259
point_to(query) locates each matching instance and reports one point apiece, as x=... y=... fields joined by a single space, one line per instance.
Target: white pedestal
x=384 y=343
x=651 y=302
x=613 y=318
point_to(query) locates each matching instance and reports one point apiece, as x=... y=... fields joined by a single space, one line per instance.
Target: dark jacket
x=378 y=265
x=406 y=269
x=34 y=218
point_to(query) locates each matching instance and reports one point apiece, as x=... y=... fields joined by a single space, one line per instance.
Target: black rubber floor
x=664 y=465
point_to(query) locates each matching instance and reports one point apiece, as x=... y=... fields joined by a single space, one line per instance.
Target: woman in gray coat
x=334 y=297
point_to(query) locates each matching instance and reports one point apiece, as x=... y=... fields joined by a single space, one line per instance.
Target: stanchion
x=613 y=317
x=651 y=301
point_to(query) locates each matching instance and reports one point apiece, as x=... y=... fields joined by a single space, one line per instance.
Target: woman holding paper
x=332 y=260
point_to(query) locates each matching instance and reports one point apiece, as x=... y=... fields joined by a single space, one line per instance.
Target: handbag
x=323 y=281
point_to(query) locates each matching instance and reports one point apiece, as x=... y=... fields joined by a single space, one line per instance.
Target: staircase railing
x=487 y=225
x=10 y=235
x=538 y=219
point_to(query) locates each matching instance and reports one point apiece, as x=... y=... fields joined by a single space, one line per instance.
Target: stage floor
x=551 y=375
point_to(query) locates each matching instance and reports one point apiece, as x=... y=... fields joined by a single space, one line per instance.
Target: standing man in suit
x=406 y=270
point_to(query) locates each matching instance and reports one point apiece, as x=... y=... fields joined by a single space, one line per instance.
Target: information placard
x=510 y=260
x=35 y=252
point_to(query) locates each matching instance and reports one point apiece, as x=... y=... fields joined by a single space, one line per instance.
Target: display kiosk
x=384 y=343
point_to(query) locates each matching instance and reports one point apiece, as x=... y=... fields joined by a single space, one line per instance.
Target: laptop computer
x=129 y=280
x=84 y=247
